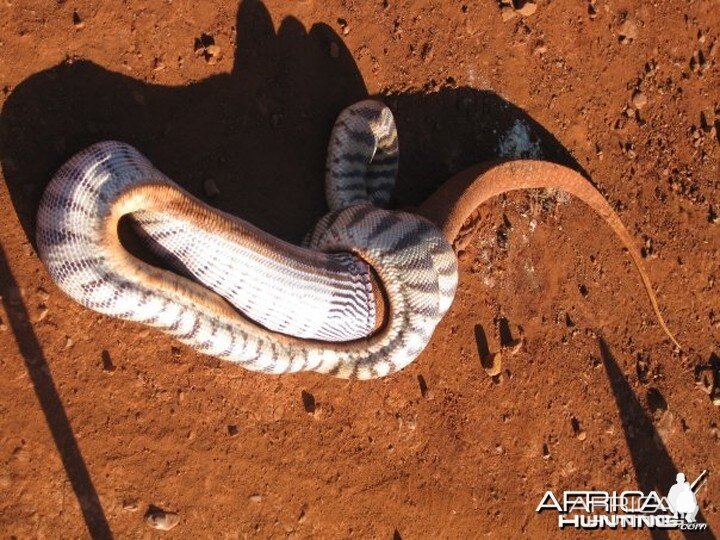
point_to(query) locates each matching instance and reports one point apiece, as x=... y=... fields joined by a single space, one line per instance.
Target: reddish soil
x=100 y=419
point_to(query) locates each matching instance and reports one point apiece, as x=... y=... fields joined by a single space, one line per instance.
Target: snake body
x=360 y=299
x=276 y=307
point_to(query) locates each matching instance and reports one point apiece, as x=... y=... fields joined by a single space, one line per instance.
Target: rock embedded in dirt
x=507 y=13
x=540 y=48
x=627 y=31
x=77 y=21
x=426 y=53
x=713 y=216
x=213 y=54
x=592 y=10
x=639 y=100
x=42 y=314
x=255 y=498
x=344 y=26
x=492 y=364
x=206 y=48
x=159 y=519
x=130 y=505
x=545 y=451
x=527 y=9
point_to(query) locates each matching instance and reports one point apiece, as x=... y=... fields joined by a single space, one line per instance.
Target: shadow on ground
x=260 y=132
x=654 y=468
x=51 y=404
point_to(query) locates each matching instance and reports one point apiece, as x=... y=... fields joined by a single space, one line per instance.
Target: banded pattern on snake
x=276 y=307
x=361 y=299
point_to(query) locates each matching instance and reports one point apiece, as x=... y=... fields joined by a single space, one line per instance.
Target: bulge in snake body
x=273 y=307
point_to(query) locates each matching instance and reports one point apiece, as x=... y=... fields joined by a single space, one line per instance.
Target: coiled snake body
x=294 y=308
x=361 y=299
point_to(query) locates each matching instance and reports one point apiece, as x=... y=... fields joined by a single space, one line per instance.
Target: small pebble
x=579 y=432
x=627 y=31
x=213 y=54
x=713 y=216
x=592 y=11
x=41 y=315
x=527 y=9
x=344 y=26
x=492 y=364
x=44 y=295
x=77 y=21
x=255 y=498
x=514 y=346
x=210 y=187
x=130 y=505
x=507 y=13
x=426 y=53
x=540 y=48
x=161 y=520
x=639 y=100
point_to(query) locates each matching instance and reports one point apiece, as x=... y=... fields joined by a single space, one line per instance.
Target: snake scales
x=361 y=299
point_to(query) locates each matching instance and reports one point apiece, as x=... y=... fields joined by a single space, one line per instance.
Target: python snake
x=360 y=299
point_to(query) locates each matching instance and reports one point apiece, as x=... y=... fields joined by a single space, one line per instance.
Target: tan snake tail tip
x=451 y=206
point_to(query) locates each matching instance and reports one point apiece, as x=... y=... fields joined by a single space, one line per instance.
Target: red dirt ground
x=100 y=419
